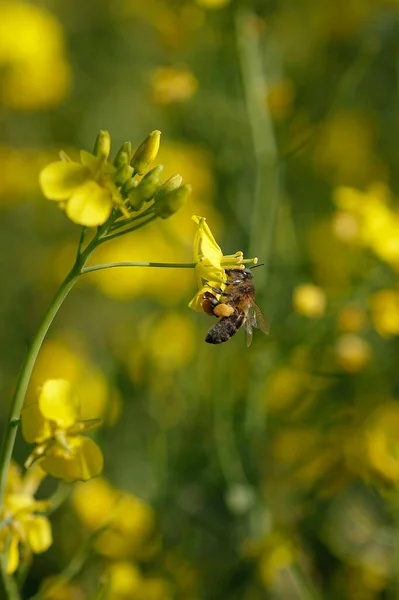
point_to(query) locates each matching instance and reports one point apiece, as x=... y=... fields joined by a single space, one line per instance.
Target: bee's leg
x=218 y=291
x=209 y=303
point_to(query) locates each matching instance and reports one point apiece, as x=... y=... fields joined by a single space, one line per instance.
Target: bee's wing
x=248 y=329
x=258 y=319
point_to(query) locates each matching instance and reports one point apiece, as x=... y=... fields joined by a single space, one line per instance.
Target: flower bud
x=123 y=174
x=102 y=146
x=123 y=155
x=146 y=153
x=129 y=185
x=170 y=202
x=135 y=200
x=150 y=183
x=170 y=184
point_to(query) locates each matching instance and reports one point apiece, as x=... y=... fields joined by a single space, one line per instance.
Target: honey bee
x=238 y=309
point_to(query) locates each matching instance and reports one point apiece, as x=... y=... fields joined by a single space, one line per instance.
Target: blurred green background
x=268 y=472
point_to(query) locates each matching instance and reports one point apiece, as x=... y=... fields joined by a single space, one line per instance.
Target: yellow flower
x=85 y=189
x=352 y=352
x=35 y=71
x=173 y=84
x=385 y=312
x=21 y=527
x=309 y=300
x=211 y=264
x=53 y=424
x=130 y=521
x=382 y=441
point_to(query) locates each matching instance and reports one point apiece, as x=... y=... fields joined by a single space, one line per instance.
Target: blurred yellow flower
x=84 y=189
x=211 y=263
x=173 y=84
x=280 y=98
x=278 y=555
x=352 y=352
x=351 y=319
x=53 y=424
x=177 y=333
x=382 y=441
x=376 y=224
x=129 y=521
x=23 y=529
x=385 y=312
x=126 y=582
x=213 y=4
x=35 y=71
x=309 y=300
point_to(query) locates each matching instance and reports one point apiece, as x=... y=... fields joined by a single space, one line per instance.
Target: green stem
x=138 y=264
x=75 y=566
x=124 y=223
x=10 y=585
x=8 y=438
x=113 y=236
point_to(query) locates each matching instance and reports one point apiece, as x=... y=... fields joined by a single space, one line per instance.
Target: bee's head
x=239 y=274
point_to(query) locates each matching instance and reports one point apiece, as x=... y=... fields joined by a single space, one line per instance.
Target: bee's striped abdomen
x=225 y=328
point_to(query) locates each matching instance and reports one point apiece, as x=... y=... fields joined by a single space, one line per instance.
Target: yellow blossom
x=368 y=219
x=84 y=188
x=173 y=84
x=309 y=300
x=352 y=352
x=22 y=527
x=129 y=522
x=211 y=264
x=351 y=319
x=53 y=424
x=35 y=71
x=385 y=312
x=382 y=441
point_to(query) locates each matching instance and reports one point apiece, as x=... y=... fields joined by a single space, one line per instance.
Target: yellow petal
x=90 y=205
x=13 y=555
x=196 y=302
x=59 y=180
x=58 y=402
x=86 y=461
x=35 y=428
x=205 y=244
x=38 y=530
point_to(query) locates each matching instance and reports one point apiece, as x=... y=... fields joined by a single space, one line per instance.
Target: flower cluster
x=93 y=189
x=53 y=425
x=22 y=526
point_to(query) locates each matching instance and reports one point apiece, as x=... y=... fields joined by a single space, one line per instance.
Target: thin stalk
x=113 y=236
x=8 y=438
x=71 y=570
x=122 y=223
x=138 y=264
x=10 y=585
x=264 y=143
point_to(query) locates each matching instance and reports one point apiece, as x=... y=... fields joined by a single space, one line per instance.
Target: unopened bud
x=129 y=185
x=123 y=174
x=150 y=183
x=123 y=155
x=102 y=146
x=146 y=153
x=170 y=184
x=169 y=203
x=135 y=200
